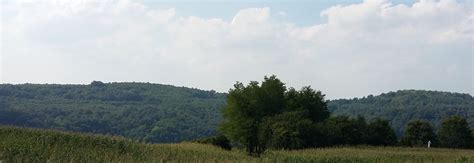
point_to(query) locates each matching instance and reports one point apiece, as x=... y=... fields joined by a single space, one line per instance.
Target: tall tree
x=296 y=127
x=247 y=107
x=455 y=133
x=268 y=115
x=418 y=133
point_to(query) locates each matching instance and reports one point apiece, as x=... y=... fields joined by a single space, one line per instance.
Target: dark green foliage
x=219 y=140
x=418 y=133
x=97 y=84
x=455 y=133
x=289 y=130
x=269 y=115
x=246 y=109
x=400 y=107
x=309 y=102
x=342 y=130
x=379 y=132
x=472 y=135
x=141 y=111
x=296 y=127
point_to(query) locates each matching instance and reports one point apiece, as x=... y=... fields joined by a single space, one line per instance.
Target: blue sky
x=343 y=48
x=301 y=12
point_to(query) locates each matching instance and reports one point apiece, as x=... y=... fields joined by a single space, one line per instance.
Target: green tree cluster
x=400 y=107
x=418 y=133
x=453 y=133
x=246 y=109
x=343 y=130
x=268 y=115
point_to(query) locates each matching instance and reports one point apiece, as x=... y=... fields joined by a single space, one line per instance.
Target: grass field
x=28 y=145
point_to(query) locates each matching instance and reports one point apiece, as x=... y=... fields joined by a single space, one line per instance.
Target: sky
x=345 y=48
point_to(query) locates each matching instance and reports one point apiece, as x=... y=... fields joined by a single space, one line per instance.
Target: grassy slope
x=26 y=145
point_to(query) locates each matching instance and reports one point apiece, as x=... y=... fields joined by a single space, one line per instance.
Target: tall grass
x=26 y=145
x=33 y=145
x=375 y=154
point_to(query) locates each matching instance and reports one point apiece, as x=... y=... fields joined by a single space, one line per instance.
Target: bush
x=219 y=140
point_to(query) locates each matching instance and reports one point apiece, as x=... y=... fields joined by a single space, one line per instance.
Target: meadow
x=35 y=145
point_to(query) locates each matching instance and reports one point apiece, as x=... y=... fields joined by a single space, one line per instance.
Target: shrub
x=219 y=140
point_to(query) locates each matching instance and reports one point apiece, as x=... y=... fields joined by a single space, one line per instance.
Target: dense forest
x=163 y=113
x=141 y=111
x=402 y=106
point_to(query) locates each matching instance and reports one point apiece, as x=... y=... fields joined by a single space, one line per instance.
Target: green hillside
x=163 y=113
x=34 y=145
x=141 y=111
x=402 y=106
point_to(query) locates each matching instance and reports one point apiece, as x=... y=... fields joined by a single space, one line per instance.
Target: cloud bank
x=364 y=48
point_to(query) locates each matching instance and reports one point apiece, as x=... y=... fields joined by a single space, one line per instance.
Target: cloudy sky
x=345 y=48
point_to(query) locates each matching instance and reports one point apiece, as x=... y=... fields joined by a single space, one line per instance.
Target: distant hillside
x=163 y=113
x=402 y=106
x=141 y=111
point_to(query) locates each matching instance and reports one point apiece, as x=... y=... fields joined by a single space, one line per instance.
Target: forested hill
x=401 y=106
x=141 y=111
x=164 y=113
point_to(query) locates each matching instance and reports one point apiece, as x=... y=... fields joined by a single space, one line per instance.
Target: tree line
x=399 y=107
x=266 y=115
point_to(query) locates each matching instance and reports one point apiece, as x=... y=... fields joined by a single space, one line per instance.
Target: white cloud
x=370 y=47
